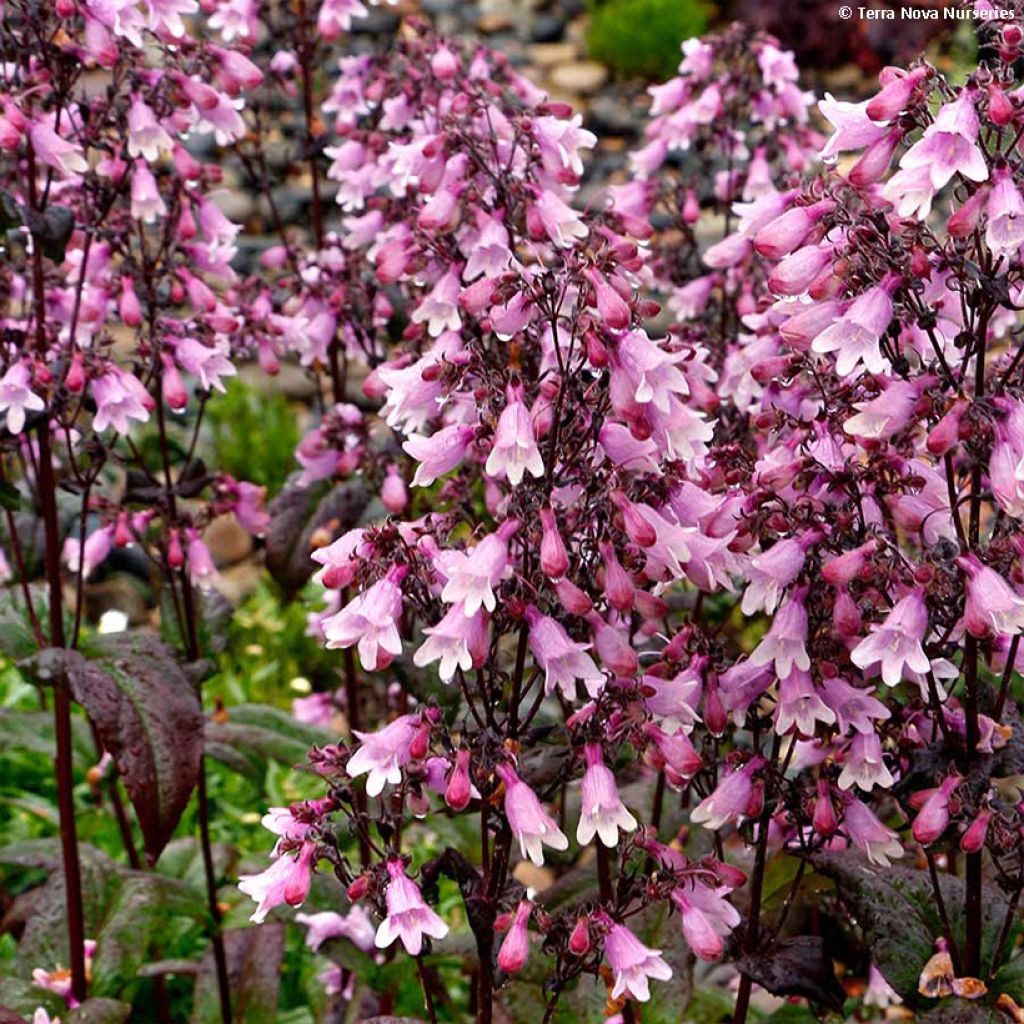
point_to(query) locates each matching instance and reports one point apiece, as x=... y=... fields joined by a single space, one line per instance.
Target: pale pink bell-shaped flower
x=381 y=755
x=879 y=844
x=146 y=137
x=769 y=573
x=17 y=396
x=119 y=398
x=514 y=451
x=1005 y=231
x=631 y=962
x=800 y=706
x=287 y=880
x=992 y=607
x=949 y=145
x=706 y=916
x=530 y=823
x=408 y=918
x=602 y=811
x=857 y=333
x=458 y=641
x=147 y=204
x=439 y=453
x=473 y=575
x=785 y=642
x=864 y=765
x=562 y=659
x=730 y=799
x=896 y=644
x=370 y=621
x=439 y=309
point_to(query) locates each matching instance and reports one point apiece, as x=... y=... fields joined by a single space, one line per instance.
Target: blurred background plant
x=641 y=38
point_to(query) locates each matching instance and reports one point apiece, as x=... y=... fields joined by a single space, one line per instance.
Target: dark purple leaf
x=796 y=967
x=254 y=971
x=295 y=514
x=147 y=715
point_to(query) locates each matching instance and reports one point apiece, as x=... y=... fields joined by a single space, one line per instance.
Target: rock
x=117 y=593
x=547 y=28
x=581 y=76
x=612 y=116
x=493 y=22
x=237 y=582
x=551 y=55
x=227 y=540
x=377 y=21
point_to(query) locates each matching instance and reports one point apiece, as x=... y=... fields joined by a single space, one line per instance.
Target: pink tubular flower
x=769 y=573
x=896 y=643
x=146 y=138
x=202 y=570
x=949 y=145
x=515 y=450
x=530 y=823
x=473 y=575
x=632 y=963
x=554 y=561
x=409 y=918
x=602 y=811
x=457 y=641
x=370 y=620
x=730 y=800
x=992 y=608
x=880 y=844
x=382 y=755
x=119 y=398
x=354 y=926
x=17 y=396
x=785 y=642
x=515 y=947
x=857 y=333
x=287 y=880
x=147 y=203
x=439 y=309
x=55 y=152
x=707 y=917
x=933 y=818
x=562 y=660
x=1005 y=231
x=459 y=786
x=438 y=454
x=864 y=765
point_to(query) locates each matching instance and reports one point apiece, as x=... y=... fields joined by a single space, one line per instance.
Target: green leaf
x=17 y=640
x=10 y=497
x=254 y=958
x=255 y=733
x=33 y=731
x=100 y=1011
x=138 y=911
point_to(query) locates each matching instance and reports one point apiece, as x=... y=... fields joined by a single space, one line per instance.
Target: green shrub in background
x=254 y=434
x=641 y=38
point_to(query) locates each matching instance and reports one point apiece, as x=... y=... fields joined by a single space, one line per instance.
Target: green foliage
x=641 y=38
x=253 y=435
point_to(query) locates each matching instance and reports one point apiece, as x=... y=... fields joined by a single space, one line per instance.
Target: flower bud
x=458 y=790
x=579 y=940
x=554 y=561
